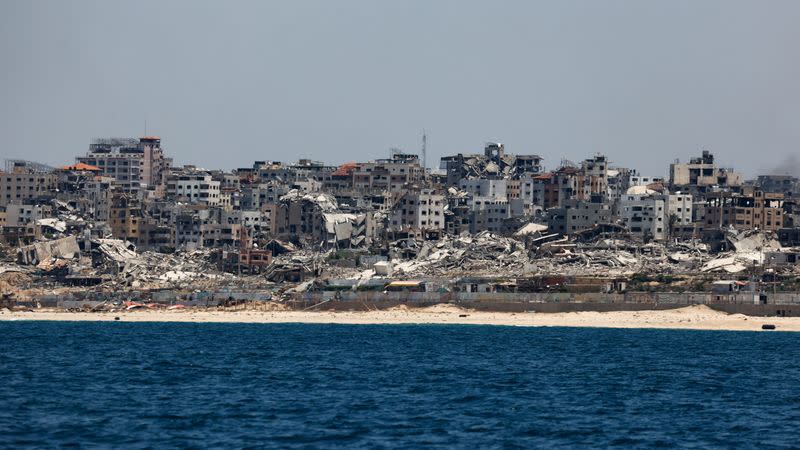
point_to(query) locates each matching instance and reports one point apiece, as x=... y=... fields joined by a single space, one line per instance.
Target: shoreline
x=698 y=317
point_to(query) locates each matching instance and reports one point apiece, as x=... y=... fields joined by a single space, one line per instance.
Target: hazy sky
x=226 y=83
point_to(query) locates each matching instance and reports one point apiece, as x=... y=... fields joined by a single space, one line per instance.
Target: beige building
x=21 y=184
x=702 y=172
x=755 y=210
x=387 y=175
x=125 y=214
x=679 y=208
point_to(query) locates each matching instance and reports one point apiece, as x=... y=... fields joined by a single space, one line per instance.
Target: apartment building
x=387 y=175
x=18 y=214
x=420 y=210
x=23 y=183
x=488 y=213
x=193 y=186
x=702 y=173
x=748 y=211
x=579 y=215
x=135 y=164
x=125 y=214
x=644 y=216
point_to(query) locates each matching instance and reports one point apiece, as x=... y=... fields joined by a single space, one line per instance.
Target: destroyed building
x=317 y=217
x=579 y=215
x=24 y=181
x=779 y=184
x=754 y=210
x=494 y=163
x=701 y=174
x=294 y=226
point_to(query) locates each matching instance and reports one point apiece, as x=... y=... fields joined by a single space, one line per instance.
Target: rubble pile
x=577 y=262
x=490 y=254
x=12 y=279
x=295 y=266
x=749 y=248
x=55 y=266
x=484 y=253
x=114 y=264
x=326 y=202
x=152 y=270
x=619 y=257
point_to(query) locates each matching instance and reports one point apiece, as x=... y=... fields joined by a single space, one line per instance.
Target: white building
x=488 y=213
x=485 y=188
x=679 y=206
x=18 y=215
x=634 y=179
x=259 y=195
x=98 y=192
x=421 y=210
x=644 y=215
x=194 y=187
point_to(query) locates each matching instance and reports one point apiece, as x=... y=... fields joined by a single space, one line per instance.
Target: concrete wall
x=743 y=303
x=780 y=304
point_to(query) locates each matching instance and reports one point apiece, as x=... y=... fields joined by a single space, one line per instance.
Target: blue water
x=243 y=385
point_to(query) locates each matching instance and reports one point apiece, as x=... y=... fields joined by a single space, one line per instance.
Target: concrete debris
x=114 y=265
x=489 y=254
x=383 y=268
x=295 y=267
x=64 y=248
x=326 y=202
x=342 y=228
x=482 y=253
x=750 y=248
x=116 y=250
x=531 y=228
x=186 y=269
x=729 y=264
x=748 y=241
x=53 y=223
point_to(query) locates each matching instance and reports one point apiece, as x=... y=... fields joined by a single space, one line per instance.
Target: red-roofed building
x=345 y=170
x=341 y=179
x=81 y=167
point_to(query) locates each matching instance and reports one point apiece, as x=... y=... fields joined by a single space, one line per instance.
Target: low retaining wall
x=787 y=304
x=555 y=307
x=649 y=298
x=742 y=303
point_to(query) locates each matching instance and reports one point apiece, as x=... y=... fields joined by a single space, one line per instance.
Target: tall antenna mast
x=424 y=149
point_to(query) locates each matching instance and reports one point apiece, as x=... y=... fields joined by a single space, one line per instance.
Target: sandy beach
x=692 y=317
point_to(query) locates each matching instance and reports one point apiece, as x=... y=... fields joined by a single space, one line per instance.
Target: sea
x=169 y=385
